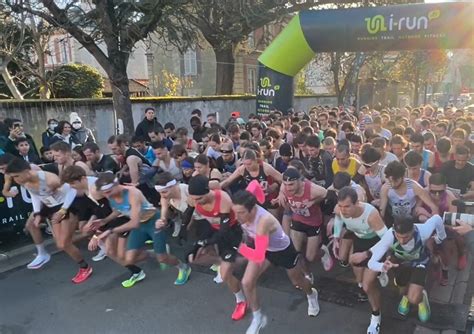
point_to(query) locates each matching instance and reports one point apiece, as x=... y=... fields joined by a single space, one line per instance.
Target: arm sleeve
x=258 y=254
x=187 y=215
x=432 y=224
x=338 y=223
x=379 y=250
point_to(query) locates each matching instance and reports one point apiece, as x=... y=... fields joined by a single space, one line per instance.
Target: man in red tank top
x=303 y=198
x=216 y=207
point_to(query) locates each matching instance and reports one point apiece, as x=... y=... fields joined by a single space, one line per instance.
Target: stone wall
x=98 y=114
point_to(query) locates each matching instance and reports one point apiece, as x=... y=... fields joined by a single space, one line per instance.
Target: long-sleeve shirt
x=388 y=239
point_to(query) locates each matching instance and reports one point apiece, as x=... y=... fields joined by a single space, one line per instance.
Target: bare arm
x=233 y=177
x=423 y=195
x=135 y=198
x=383 y=199
x=270 y=171
x=133 y=164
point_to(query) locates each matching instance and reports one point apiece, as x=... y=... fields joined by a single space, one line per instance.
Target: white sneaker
x=327 y=259
x=313 y=304
x=100 y=255
x=218 y=279
x=39 y=261
x=310 y=278
x=374 y=327
x=256 y=325
x=383 y=279
x=177 y=228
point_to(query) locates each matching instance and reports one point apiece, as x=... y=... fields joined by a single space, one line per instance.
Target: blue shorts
x=147 y=231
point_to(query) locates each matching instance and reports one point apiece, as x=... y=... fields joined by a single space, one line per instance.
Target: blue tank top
x=426 y=159
x=124 y=207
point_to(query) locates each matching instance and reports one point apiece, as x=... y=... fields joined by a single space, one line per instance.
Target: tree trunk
x=121 y=98
x=335 y=67
x=225 y=65
x=10 y=83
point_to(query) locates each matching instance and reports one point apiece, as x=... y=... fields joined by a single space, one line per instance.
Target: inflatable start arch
x=404 y=27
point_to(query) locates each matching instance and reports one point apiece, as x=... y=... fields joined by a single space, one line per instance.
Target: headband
x=167 y=185
x=109 y=186
x=186 y=164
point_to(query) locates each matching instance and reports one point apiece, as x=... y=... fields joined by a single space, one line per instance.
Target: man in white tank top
x=269 y=245
x=364 y=221
x=47 y=197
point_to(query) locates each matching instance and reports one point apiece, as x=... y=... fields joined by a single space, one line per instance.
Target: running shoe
x=257 y=324
x=82 y=275
x=424 y=310
x=362 y=296
x=374 y=327
x=215 y=268
x=444 y=278
x=183 y=275
x=327 y=259
x=313 y=304
x=218 y=278
x=100 y=255
x=239 y=311
x=383 y=279
x=310 y=278
x=462 y=262
x=404 y=306
x=149 y=242
x=39 y=261
x=135 y=278
x=343 y=264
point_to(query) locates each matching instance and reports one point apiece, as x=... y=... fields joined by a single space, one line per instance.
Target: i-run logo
x=380 y=23
x=265 y=87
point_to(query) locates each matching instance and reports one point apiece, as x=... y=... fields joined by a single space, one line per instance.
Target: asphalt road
x=45 y=301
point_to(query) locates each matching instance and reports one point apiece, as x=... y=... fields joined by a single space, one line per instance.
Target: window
x=251 y=80
x=251 y=40
x=190 y=62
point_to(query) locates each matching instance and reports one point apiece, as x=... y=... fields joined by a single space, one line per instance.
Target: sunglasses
x=437 y=192
x=227 y=151
x=368 y=165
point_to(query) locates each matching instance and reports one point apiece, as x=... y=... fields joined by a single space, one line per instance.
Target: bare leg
x=226 y=270
x=249 y=282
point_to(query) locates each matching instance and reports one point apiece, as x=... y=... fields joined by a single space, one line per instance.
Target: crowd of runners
x=365 y=189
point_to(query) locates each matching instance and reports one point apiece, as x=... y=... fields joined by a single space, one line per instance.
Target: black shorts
x=103 y=209
x=405 y=275
x=83 y=207
x=117 y=222
x=362 y=245
x=286 y=258
x=48 y=212
x=229 y=242
x=310 y=231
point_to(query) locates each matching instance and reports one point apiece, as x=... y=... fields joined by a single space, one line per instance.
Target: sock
x=83 y=264
x=312 y=295
x=101 y=245
x=239 y=296
x=257 y=314
x=360 y=285
x=181 y=265
x=134 y=269
x=376 y=313
x=41 y=250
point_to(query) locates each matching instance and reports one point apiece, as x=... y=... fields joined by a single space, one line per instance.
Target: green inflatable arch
x=404 y=27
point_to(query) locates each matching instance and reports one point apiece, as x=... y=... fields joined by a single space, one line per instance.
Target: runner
x=270 y=245
x=373 y=172
x=364 y=221
x=222 y=230
x=144 y=224
x=253 y=168
x=63 y=158
x=409 y=258
x=401 y=194
x=303 y=198
x=48 y=199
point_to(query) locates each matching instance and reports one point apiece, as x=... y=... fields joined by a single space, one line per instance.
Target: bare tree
x=109 y=30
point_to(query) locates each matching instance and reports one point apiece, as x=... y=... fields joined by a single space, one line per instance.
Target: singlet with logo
x=359 y=225
x=45 y=194
x=312 y=215
x=402 y=205
x=278 y=240
x=414 y=253
x=214 y=216
x=124 y=207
